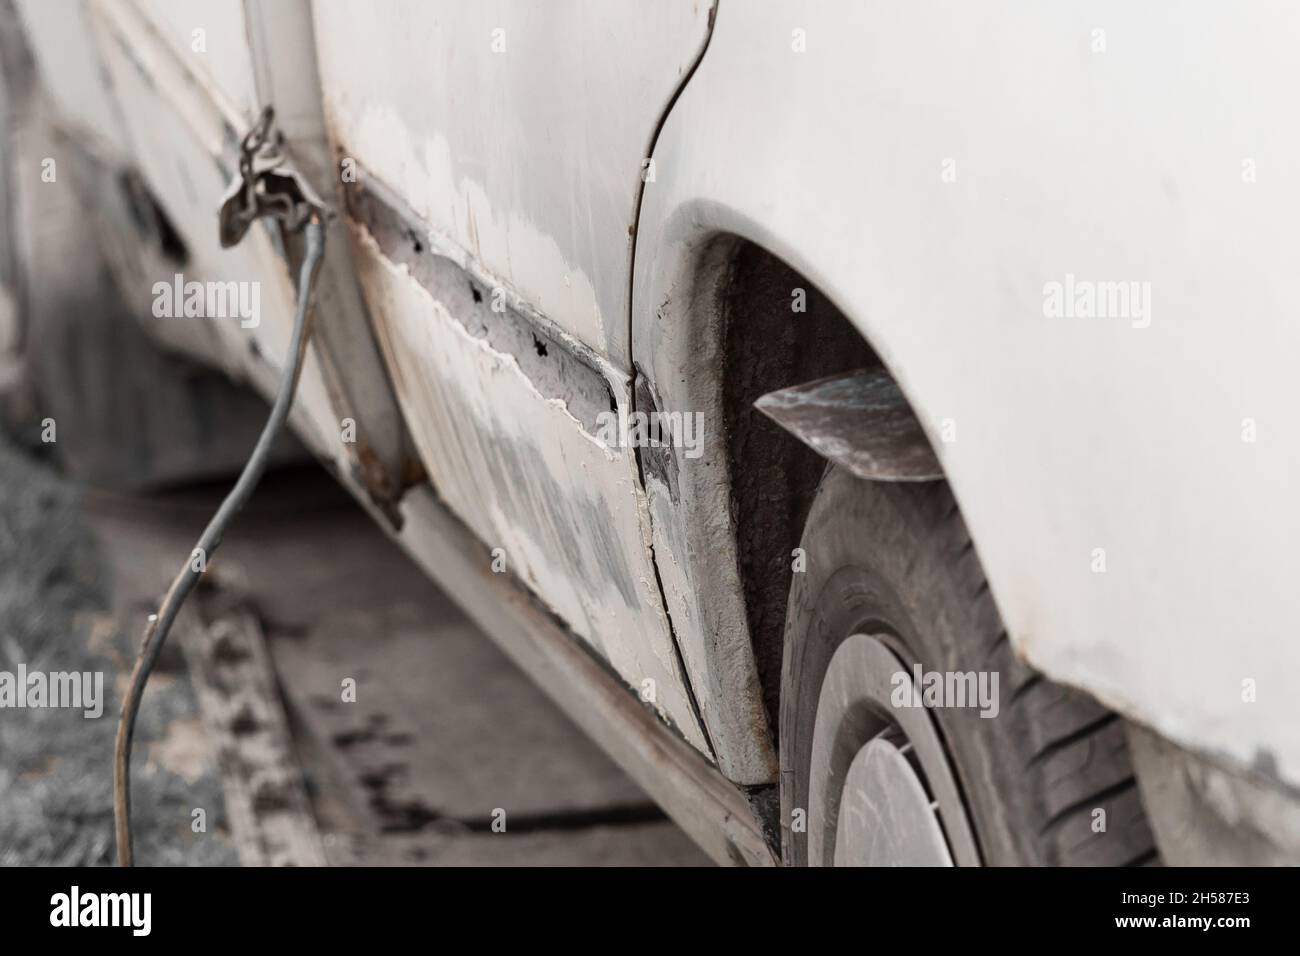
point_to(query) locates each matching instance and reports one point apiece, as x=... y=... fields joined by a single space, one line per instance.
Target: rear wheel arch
x=727 y=331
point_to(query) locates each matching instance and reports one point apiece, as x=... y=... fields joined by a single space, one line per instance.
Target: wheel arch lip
x=682 y=267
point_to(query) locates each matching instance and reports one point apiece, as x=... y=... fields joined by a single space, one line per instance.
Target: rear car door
x=498 y=153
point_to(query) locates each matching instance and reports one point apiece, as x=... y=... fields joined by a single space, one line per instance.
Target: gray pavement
x=57 y=614
x=443 y=735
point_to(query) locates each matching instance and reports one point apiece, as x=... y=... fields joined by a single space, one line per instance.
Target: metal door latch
x=266 y=185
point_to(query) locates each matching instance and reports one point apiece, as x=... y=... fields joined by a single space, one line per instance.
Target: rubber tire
x=896 y=558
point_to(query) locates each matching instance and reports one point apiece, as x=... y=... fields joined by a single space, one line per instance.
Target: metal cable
x=159 y=624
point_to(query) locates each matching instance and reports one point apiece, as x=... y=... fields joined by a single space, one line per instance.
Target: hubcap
x=882 y=791
x=885 y=815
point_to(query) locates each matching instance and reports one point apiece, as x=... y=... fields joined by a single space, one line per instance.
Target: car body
x=1064 y=229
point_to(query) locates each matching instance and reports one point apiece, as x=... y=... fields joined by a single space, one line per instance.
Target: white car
x=875 y=423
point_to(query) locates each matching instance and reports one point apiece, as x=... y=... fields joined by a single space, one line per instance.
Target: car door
x=492 y=156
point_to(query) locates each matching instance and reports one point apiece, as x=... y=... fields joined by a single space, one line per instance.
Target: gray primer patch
x=571 y=517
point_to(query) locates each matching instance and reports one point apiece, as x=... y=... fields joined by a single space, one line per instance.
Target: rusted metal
x=860 y=421
x=559 y=366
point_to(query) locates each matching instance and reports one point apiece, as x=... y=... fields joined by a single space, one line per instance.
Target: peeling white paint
x=513 y=246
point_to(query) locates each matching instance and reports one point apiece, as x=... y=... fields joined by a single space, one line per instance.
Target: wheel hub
x=882 y=791
x=886 y=818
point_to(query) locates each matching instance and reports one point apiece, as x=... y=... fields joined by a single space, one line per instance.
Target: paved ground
x=56 y=614
x=443 y=735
